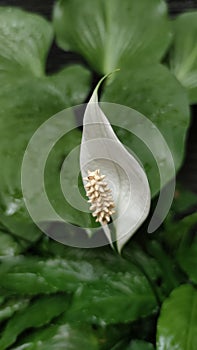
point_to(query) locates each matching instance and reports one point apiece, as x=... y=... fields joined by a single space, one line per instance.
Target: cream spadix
x=100 y=196
x=115 y=183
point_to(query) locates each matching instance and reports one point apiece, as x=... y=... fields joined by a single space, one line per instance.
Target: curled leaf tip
x=100 y=82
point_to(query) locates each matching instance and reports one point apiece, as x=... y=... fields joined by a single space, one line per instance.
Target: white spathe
x=101 y=149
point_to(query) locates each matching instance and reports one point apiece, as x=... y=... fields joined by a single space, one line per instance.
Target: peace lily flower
x=116 y=184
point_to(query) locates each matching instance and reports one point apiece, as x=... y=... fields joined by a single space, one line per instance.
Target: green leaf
x=120 y=293
x=110 y=33
x=33 y=103
x=187 y=258
x=133 y=254
x=39 y=313
x=155 y=93
x=171 y=278
x=8 y=245
x=11 y=306
x=113 y=300
x=28 y=275
x=140 y=345
x=117 y=290
x=176 y=233
x=54 y=188
x=60 y=338
x=176 y=327
x=183 y=53
x=112 y=334
x=28 y=98
x=24 y=41
x=2 y=299
x=184 y=199
x=133 y=345
x=154 y=264
x=120 y=345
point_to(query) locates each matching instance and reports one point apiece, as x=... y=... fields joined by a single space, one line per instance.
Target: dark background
x=58 y=58
x=44 y=7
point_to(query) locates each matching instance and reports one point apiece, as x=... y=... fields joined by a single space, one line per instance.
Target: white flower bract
x=124 y=195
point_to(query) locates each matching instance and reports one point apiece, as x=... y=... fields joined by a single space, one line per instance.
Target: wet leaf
x=183 y=53
x=39 y=313
x=177 y=321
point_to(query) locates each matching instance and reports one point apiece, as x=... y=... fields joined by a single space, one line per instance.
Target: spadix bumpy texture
x=100 y=196
x=126 y=190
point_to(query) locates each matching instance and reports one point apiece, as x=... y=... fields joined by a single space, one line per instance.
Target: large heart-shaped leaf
x=177 y=321
x=109 y=33
x=154 y=92
x=24 y=41
x=107 y=280
x=98 y=262
x=28 y=98
x=183 y=53
x=119 y=293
